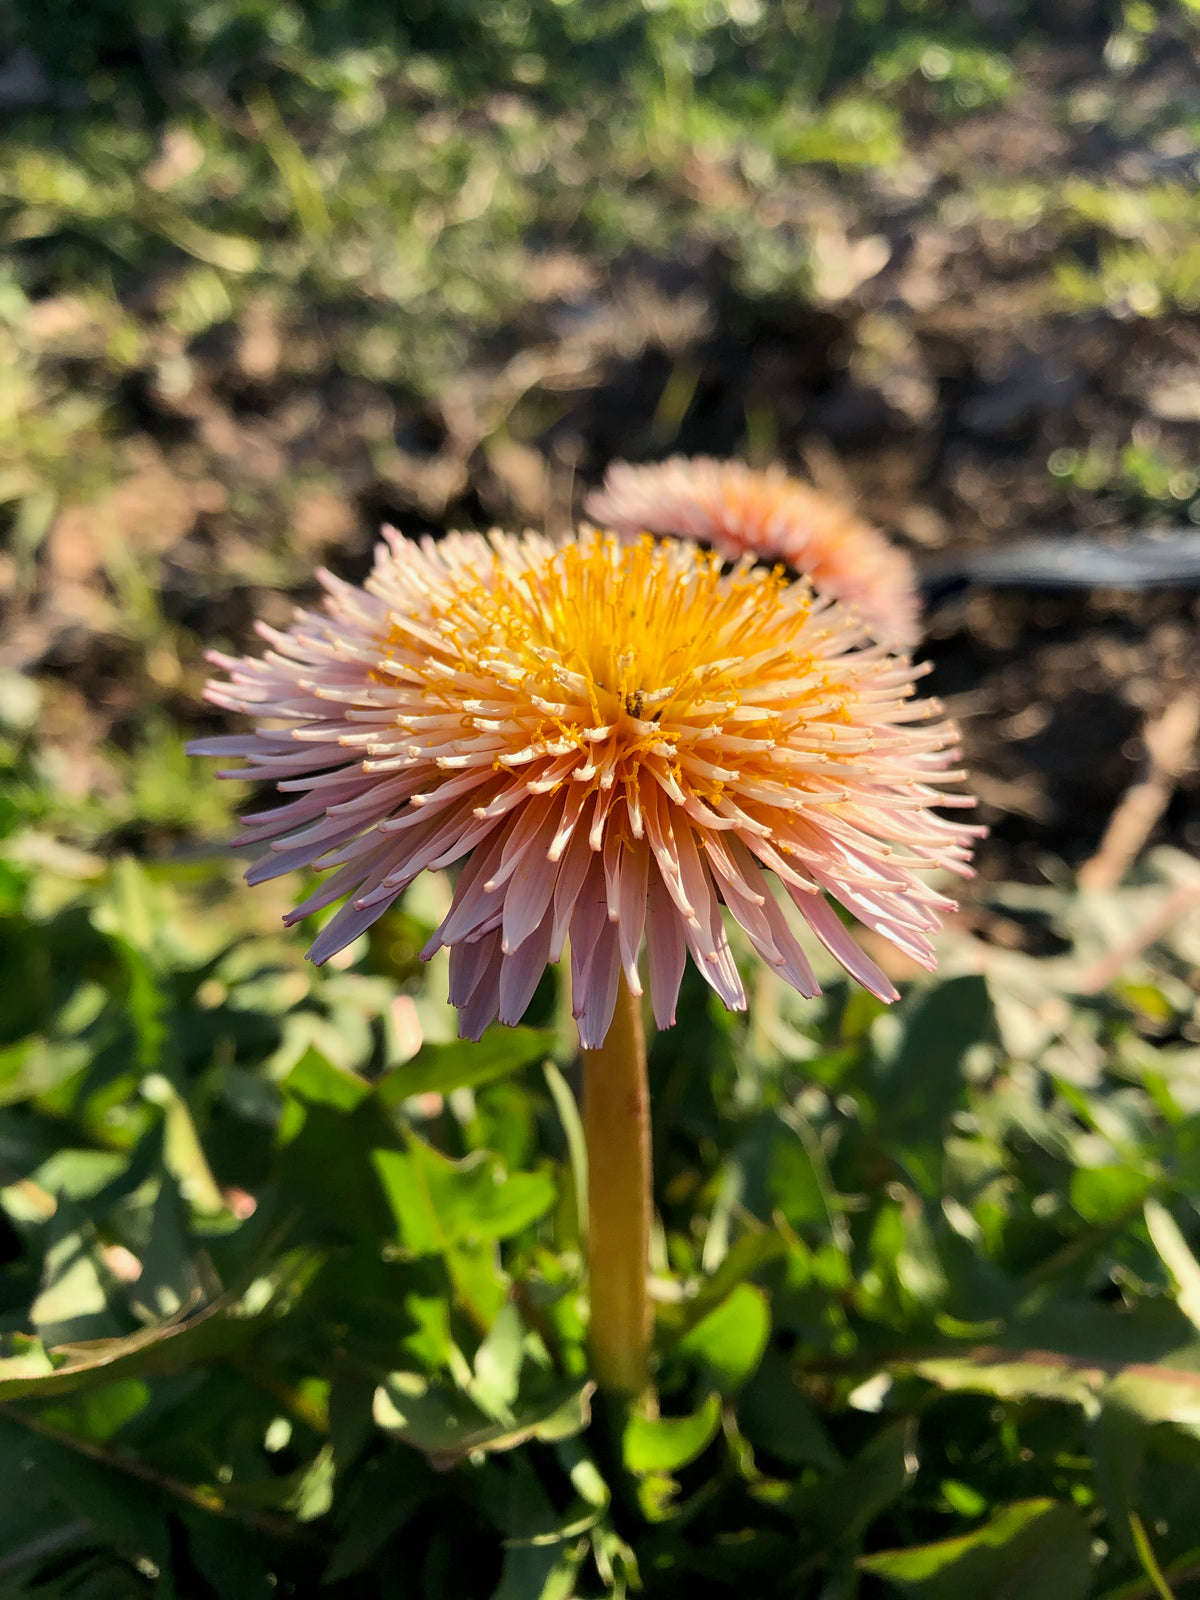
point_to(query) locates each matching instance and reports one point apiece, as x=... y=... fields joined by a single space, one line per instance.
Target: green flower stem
x=616 y=1122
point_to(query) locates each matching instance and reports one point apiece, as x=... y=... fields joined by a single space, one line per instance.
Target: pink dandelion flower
x=613 y=740
x=776 y=518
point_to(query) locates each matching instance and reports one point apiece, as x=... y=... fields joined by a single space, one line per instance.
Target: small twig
x=1170 y=740
x=1110 y=967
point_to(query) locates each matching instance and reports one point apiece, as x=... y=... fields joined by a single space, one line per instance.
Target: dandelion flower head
x=611 y=739
x=739 y=511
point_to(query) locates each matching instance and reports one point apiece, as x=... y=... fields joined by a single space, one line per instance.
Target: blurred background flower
x=766 y=514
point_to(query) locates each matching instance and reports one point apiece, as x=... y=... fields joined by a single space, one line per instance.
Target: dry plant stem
x=1169 y=744
x=1110 y=967
x=616 y=1124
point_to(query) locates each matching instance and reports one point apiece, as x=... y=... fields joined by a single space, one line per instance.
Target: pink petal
x=666 y=951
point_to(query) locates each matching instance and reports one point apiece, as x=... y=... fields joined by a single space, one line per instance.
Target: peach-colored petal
x=767 y=514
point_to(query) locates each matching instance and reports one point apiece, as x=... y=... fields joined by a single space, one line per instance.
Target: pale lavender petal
x=594 y=987
x=483 y=1002
x=666 y=950
x=521 y=972
x=572 y=871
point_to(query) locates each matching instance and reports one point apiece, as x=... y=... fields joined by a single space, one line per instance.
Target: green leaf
x=100 y=1413
x=379 y=1502
x=1153 y=1391
x=131 y=1513
x=664 y=1444
x=1106 y=1194
x=1179 y=1261
x=328 y=1167
x=1038 y=1549
x=837 y=1510
x=730 y=1340
x=179 y=1347
x=541 y=1572
x=447 y=1427
x=923 y=1082
x=316 y=1079
x=170 y=1282
x=776 y=1416
x=498 y=1366
x=312 y=1495
x=183 y=1154
x=80 y=1174
x=572 y=1126
x=35 y=1066
x=74 y=1300
x=800 y=1179
x=439 y=1068
x=438 y=1202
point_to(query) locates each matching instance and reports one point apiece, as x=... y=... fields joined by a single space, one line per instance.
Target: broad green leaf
x=439 y=1068
x=75 y=1300
x=532 y=1518
x=132 y=1513
x=80 y=1174
x=379 y=1502
x=837 y=1509
x=183 y=1154
x=479 y=1281
x=1154 y=1391
x=438 y=1202
x=498 y=1366
x=28 y=1360
x=1037 y=1549
x=664 y=1444
x=35 y=1066
x=800 y=1183
x=447 y=1427
x=923 y=1081
x=99 y=1413
x=541 y=1572
x=328 y=1167
x=776 y=1416
x=730 y=1340
x=1105 y=1194
x=170 y=1283
x=316 y=1079
x=313 y=1493
x=232 y=1560
x=211 y=1333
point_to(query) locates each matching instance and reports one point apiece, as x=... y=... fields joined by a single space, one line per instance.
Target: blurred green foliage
x=292 y=1298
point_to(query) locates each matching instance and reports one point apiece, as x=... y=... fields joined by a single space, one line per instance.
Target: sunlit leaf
x=730 y=1340
x=1041 y=1546
x=447 y=1427
x=439 y=1068
x=664 y=1444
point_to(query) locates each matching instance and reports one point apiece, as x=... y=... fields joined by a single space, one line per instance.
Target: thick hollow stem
x=616 y=1121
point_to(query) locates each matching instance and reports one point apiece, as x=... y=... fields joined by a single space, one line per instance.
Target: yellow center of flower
x=639 y=627
x=596 y=661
